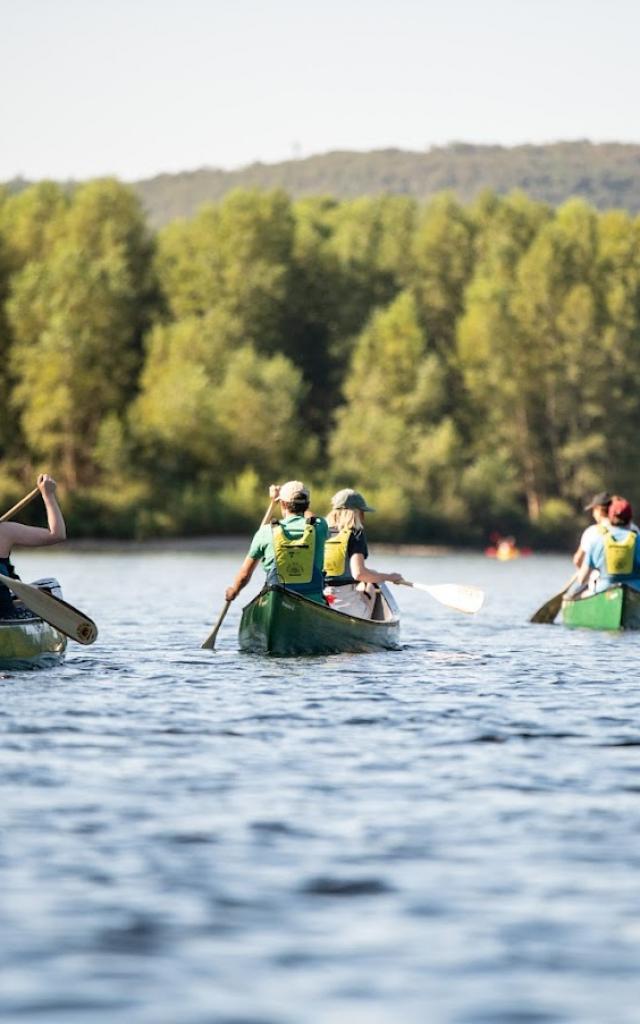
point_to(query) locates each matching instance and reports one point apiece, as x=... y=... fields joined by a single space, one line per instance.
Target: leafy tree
x=236 y=258
x=618 y=270
x=444 y=255
x=77 y=319
x=211 y=408
x=443 y=249
x=371 y=238
x=531 y=352
x=393 y=434
x=31 y=223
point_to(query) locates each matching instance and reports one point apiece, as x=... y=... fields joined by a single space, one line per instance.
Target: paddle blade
x=62 y=616
x=548 y=611
x=210 y=643
x=463 y=598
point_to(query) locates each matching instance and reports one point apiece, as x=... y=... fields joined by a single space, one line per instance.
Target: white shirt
x=591 y=534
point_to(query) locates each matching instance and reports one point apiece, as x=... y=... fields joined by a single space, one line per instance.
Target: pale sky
x=138 y=87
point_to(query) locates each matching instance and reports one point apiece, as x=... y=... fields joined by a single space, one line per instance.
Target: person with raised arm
x=17 y=535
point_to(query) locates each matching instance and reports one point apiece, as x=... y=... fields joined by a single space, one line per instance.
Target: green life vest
x=619 y=554
x=335 y=553
x=294 y=555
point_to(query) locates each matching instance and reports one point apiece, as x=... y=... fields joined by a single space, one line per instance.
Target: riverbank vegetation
x=469 y=367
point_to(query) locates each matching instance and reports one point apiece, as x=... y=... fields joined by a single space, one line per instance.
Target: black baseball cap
x=602 y=499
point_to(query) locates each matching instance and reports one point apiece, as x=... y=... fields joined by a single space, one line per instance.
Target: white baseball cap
x=293 y=490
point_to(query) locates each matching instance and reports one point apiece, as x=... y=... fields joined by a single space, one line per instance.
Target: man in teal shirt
x=292 y=550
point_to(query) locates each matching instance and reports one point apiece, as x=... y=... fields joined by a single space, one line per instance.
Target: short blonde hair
x=345 y=518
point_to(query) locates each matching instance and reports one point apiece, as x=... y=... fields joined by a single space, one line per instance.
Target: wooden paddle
x=21 y=504
x=210 y=643
x=459 y=596
x=62 y=616
x=550 y=609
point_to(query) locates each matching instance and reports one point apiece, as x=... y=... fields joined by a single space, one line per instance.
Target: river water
x=448 y=833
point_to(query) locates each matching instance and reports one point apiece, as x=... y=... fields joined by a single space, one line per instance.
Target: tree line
x=470 y=367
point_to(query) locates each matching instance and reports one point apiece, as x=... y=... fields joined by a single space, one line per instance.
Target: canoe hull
x=616 y=608
x=284 y=624
x=29 y=644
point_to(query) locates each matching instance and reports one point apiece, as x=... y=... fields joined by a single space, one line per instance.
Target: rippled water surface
x=448 y=833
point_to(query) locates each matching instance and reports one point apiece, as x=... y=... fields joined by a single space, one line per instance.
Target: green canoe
x=281 y=622
x=26 y=641
x=615 y=608
x=29 y=643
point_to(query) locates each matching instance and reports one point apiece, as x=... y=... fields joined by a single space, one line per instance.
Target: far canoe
x=28 y=642
x=618 y=607
x=279 y=621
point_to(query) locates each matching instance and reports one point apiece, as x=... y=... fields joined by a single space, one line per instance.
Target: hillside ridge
x=605 y=174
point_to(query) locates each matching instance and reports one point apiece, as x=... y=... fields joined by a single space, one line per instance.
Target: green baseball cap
x=346 y=498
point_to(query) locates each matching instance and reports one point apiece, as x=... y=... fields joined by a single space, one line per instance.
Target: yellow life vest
x=335 y=553
x=619 y=554
x=294 y=556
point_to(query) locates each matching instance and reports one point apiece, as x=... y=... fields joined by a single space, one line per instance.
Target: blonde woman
x=348 y=581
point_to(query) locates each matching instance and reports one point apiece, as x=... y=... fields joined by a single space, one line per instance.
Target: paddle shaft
x=267 y=516
x=210 y=643
x=28 y=498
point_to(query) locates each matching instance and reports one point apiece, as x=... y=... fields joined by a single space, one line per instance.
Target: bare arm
x=361 y=574
x=578 y=558
x=580 y=580
x=244 y=575
x=35 y=536
x=583 y=572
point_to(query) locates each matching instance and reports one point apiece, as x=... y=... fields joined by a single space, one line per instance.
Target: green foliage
x=77 y=318
x=468 y=367
x=556 y=513
x=234 y=258
x=209 y=404
x=30 y=222
x=443 y=253
x=392 y=432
